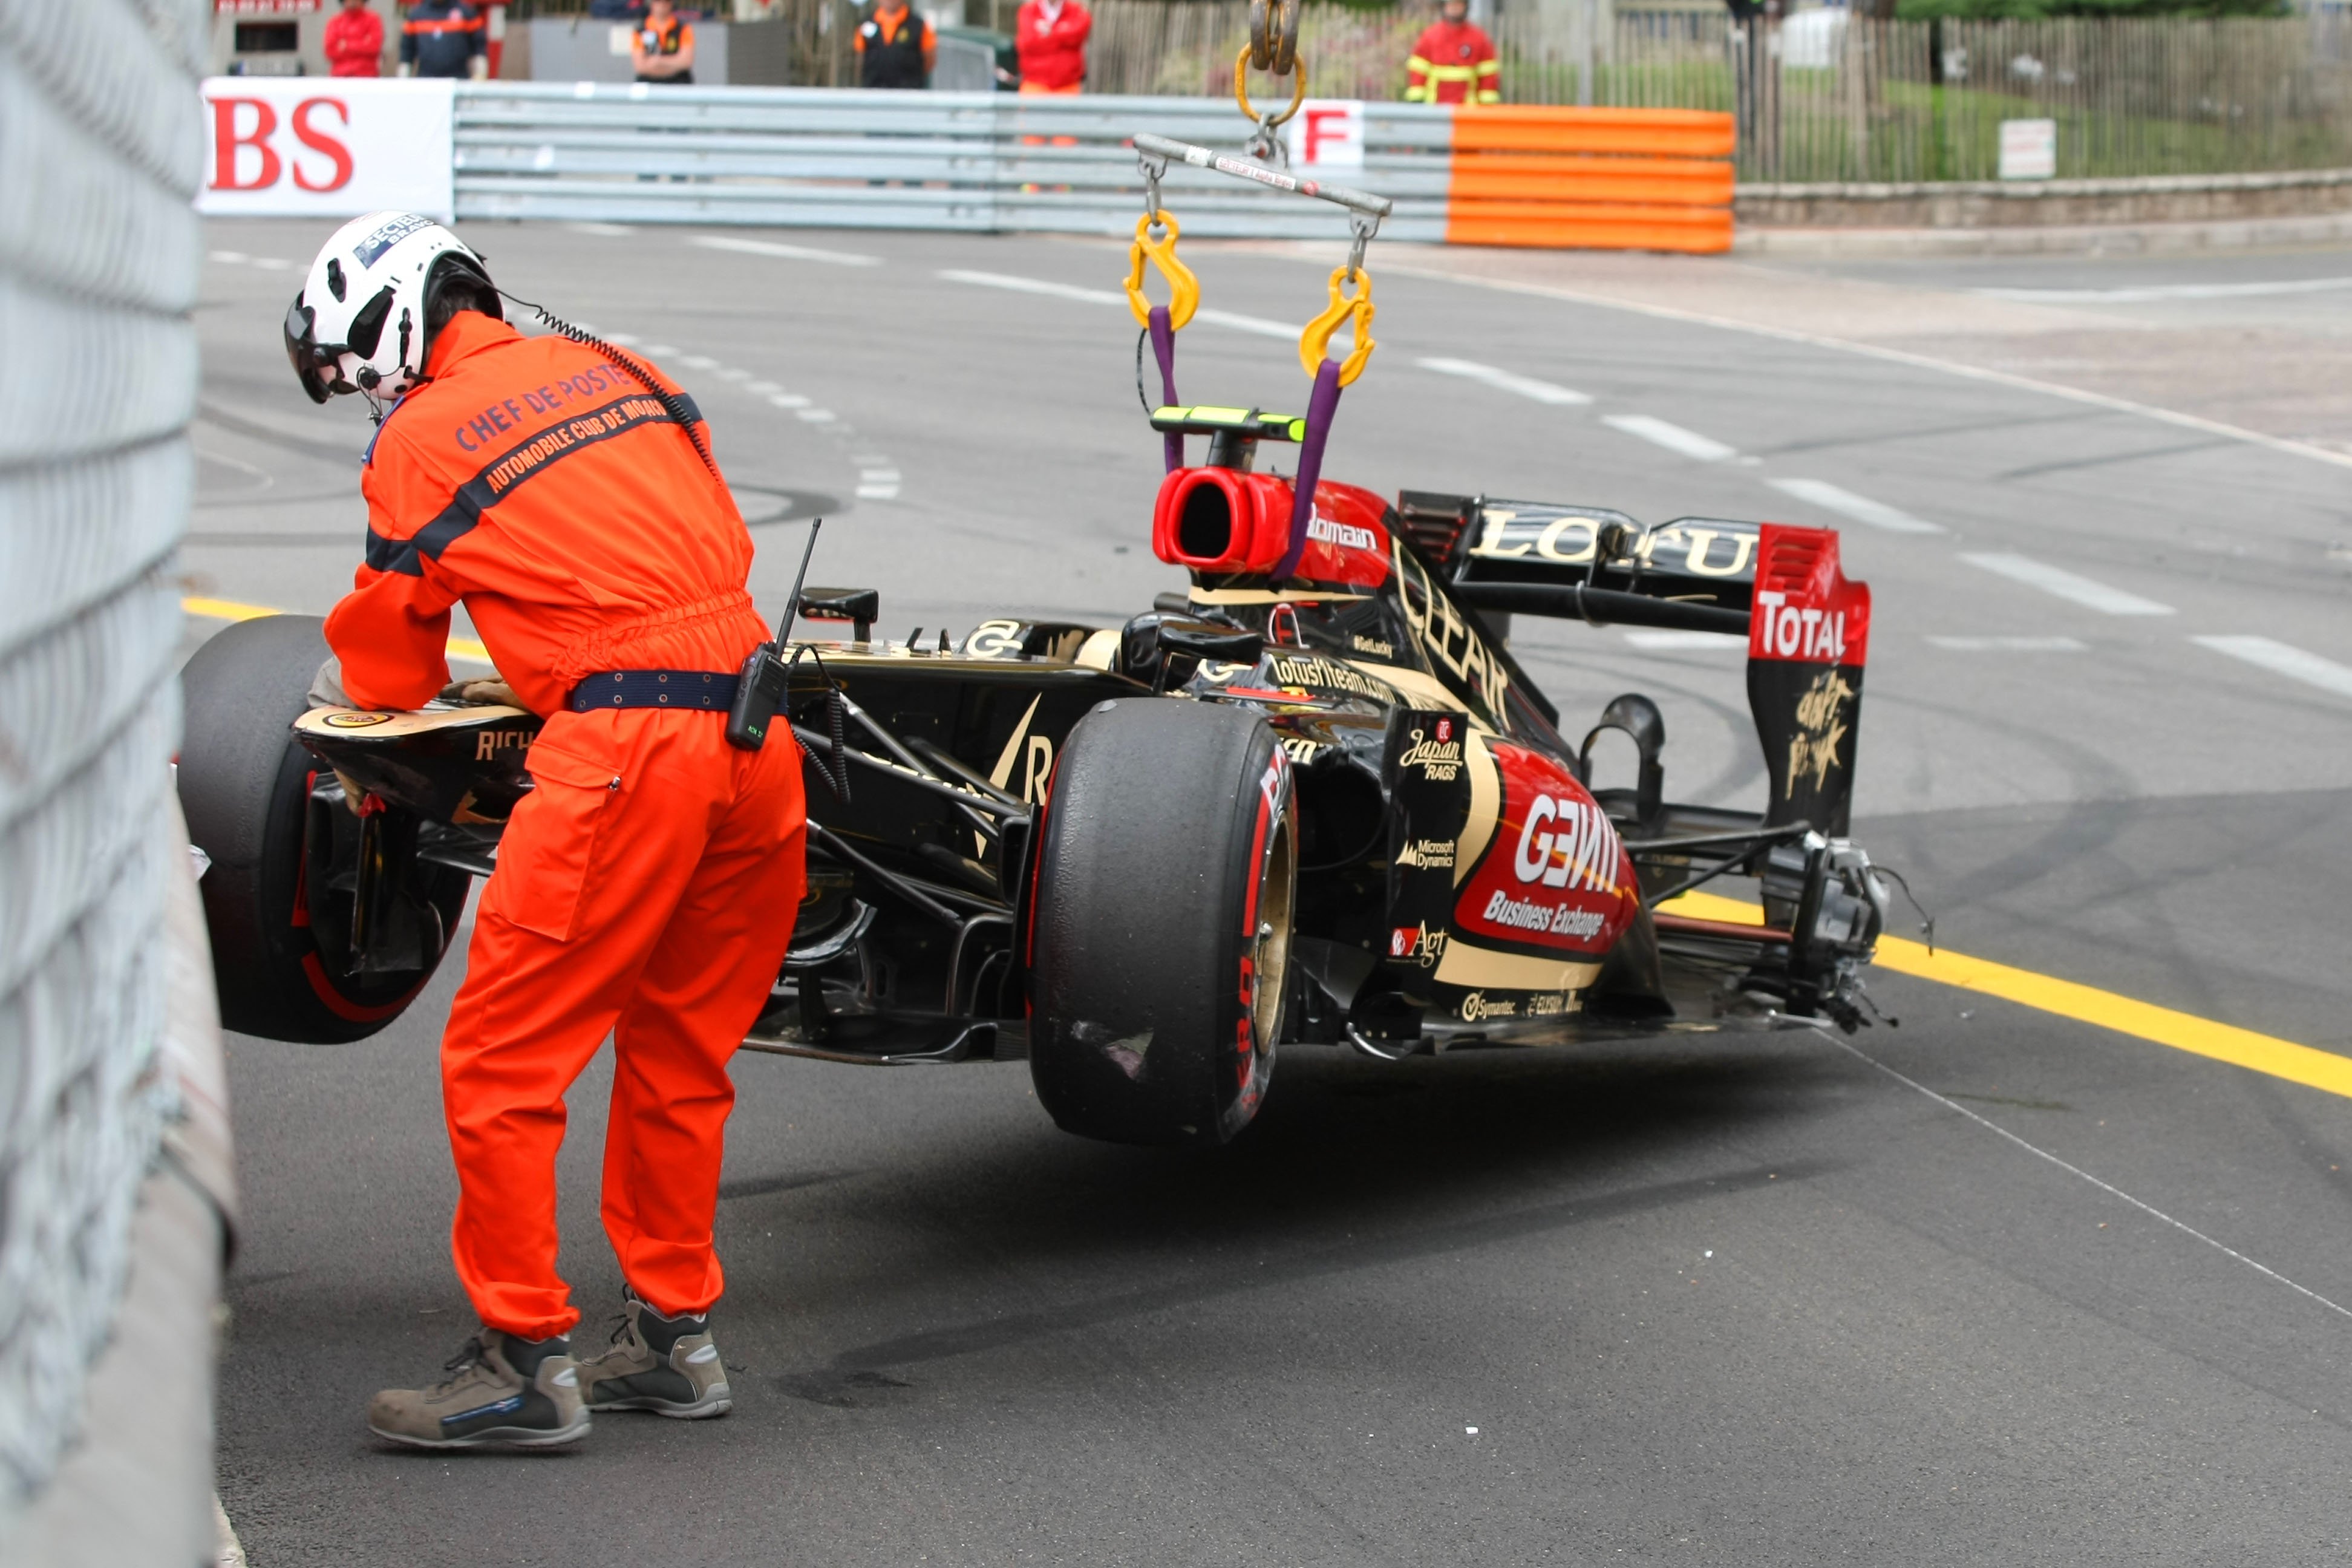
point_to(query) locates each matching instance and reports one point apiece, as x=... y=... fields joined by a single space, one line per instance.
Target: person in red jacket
x=1051 y=35
x=644 y=889
x=355 y=41
x=1454 y=61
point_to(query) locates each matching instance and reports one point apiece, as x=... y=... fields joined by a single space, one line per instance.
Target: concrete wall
x=2028 y=203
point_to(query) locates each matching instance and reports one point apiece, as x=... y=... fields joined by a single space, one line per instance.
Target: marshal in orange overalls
x=645 y=887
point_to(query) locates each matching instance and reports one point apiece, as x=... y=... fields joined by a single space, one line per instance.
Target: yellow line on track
x=230 y=610
x=2045 y=992
x=2085 y=1004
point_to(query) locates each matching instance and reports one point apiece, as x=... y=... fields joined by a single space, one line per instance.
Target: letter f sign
x=1329 y=134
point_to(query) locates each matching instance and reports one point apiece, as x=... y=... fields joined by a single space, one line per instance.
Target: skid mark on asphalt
x=882 y=484
x=1268 y=1273
x=2059 y=583
x=1861 y=508
x=1949 y=1103
x=1673 y=438
x=879 y=478
x=1893 y=356
x=2085 y=1004
x=2281 y=659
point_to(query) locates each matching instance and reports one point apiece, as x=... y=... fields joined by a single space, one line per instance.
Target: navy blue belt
x=697 y=688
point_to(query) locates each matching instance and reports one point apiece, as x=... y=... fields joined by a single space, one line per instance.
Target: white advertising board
x=326 y=146
x=2029 y=149
x=1327 y=136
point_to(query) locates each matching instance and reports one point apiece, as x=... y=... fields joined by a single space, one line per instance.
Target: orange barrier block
x=1616 y=179
x=1537 y=178
x=1539 y=127
x=1590 y=225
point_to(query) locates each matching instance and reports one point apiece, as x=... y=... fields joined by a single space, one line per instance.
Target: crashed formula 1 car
x=1311 y=800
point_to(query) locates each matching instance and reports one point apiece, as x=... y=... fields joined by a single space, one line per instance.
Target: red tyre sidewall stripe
x=342 y=1007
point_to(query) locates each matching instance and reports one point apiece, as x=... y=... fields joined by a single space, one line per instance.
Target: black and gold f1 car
x=1321 y=805
x=1312 y=800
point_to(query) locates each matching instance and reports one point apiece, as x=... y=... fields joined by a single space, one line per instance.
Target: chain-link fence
x=99 y=146
x=1823 y=96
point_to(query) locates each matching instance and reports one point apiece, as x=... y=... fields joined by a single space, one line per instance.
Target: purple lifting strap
x=1163 y=349
x=1320 y=406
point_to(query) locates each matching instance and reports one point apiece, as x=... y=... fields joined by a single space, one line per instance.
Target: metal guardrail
x=837 y=159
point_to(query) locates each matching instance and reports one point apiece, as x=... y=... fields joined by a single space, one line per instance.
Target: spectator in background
x=444 y=38
x=1454 y=61
x=1052 y=37
x=662 y=49
x=355 y=41
x=895 y=47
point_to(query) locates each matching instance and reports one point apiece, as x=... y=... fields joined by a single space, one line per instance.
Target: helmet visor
x=303 y=351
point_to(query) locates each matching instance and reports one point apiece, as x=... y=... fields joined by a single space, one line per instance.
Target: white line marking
x=1673 y=438
x=1714 y=642
x=880 y=476
x=786 y=252
x=2011 y=645
x=271 y=264
x=228 y=1552
x=878 y=492
x=614 y=230
x=623 y=339
x=2106 y=1187
x=2154 y=292
x=1846 y=503
x=1240 y=323
x=764 y=387
x=1893 y=356
x=1231 y=320
x=1035 y=286
x=2066 y=584
x=2281 y=659
x=700 y=361
x=1524 y=385
x=231 y=257
x=788 y=400
x=661 y=350
x=815 y=416
x=733 y=373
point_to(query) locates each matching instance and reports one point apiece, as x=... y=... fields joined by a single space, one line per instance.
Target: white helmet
x=360 y=322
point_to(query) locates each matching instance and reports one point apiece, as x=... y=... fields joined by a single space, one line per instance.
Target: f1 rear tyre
x=245 y=787
x=1161 y=942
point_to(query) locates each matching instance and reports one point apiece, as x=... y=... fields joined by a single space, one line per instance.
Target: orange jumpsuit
x=645 y=887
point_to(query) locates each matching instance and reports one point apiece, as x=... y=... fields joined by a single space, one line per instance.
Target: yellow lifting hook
x=1315 y=343
x=1184 y=288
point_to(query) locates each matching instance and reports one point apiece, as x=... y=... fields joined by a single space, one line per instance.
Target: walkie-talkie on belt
x=760 y=689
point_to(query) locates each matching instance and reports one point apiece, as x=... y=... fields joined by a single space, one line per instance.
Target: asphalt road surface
x=1755 y=1300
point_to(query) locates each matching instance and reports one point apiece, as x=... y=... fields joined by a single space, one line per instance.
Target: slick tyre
x=245 y=787
x=1161 y=938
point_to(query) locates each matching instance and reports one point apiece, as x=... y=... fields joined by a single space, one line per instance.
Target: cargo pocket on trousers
x=551 y=843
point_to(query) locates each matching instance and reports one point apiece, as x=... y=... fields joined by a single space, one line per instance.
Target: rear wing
x=1589 y=563
x=1782 y=588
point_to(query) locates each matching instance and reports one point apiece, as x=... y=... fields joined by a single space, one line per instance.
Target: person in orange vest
x=644 y=889
x=1454 y=61
x=355 y=41
x=895 y=47
x=662 y=48
x=444 y=38
x=1051 y=35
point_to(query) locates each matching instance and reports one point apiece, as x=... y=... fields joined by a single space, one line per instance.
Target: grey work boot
x=667 y=1365
x=524 y=1392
